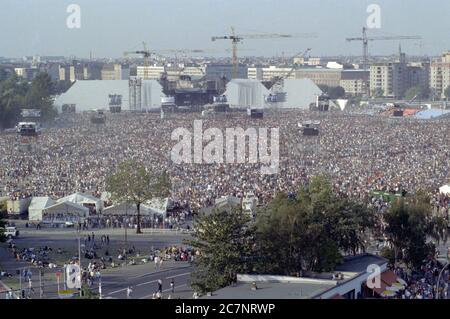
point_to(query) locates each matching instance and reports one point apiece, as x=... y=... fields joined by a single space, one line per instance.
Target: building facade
x=440 y=75
x=353 y=81
x=321 y=76
x=114 y=72
x=218 y=71
x=152 y=72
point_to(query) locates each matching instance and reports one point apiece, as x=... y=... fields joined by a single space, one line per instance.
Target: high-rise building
x=152 y=72
x=114 y=72
x=440 y=75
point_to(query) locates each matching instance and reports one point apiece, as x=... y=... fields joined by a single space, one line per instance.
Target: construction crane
x=276 y=83
x=365 y=40
x=237 y=38
x=146 y=54
x=278 y=79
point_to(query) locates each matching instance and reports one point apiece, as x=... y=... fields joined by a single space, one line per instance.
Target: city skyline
x=107 y=30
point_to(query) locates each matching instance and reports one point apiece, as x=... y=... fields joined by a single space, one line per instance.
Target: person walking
x=129 y=291
x=172 y=286
x=160 y=285
x=156 y=262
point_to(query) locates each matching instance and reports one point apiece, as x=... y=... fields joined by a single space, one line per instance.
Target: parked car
x=11 y=232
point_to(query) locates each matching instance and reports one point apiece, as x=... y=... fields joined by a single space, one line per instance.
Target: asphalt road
x=142 y=278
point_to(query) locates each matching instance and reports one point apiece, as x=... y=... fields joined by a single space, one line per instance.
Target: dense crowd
x=360 y=152
x=423 y=284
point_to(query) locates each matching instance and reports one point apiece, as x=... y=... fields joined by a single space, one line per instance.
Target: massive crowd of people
x=360 y=152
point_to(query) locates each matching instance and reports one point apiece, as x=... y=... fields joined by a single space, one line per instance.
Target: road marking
x=146 y=283
x=114 y=292
x=165 y=290
x=179 y=275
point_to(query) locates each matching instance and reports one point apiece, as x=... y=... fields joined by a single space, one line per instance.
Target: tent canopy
x=37 y=205
x=64 y=211
x=82 y=199
x=445 y=189
x=246 y=93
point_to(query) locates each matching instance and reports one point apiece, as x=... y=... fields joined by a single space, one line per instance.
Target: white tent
x=342 y=103
x=122 y=209
x=227 y=202
x=246 y=93
x=157 y=206
x=300 y=93
x=89 y=95
x=445 y=189
x=64 y=212
x=83 y=199
x=37 y=205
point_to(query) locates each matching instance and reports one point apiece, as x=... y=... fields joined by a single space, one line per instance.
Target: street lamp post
x=79 y=253
x=126 y=236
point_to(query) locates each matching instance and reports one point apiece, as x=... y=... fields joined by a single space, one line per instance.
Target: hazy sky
x=109 y=27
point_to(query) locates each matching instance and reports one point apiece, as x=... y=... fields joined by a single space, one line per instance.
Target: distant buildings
x=269 y=73
x=26 y=73
x=353 y=81
x=440 y=75
x=217 y=71
x=115 y=72
x=393 y=79
x=321 y=76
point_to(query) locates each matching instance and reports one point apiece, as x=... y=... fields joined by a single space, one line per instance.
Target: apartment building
x=267 y=74
x=440 y=75
x=321 y=76
x=152 y=72
x=353 y=81
x=114 y=72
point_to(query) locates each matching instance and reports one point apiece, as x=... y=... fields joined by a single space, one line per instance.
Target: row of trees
x=418 y=92
x=17 y=94
x=307 y=232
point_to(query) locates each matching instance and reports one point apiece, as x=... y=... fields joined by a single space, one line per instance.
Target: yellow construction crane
x=146 y=54
x=278 y=79
x=237 y=38
x=365 y=41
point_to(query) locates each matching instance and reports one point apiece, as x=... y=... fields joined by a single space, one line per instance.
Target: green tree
x=336 y=92
x=12 y=99
x=134 y=183
x=378 y=92
x=447 y=92
x=417 y=91
x=309 y=232
x=39 y=96
x=225 y=242
x=409 y=224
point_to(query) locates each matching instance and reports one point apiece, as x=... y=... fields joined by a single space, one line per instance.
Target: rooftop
x=311 y=285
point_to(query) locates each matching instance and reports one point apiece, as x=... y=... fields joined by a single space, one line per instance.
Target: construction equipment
x=238 y=38
x=365 y=40
x=279 y=79
x=276 y=83
x=146 y=54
